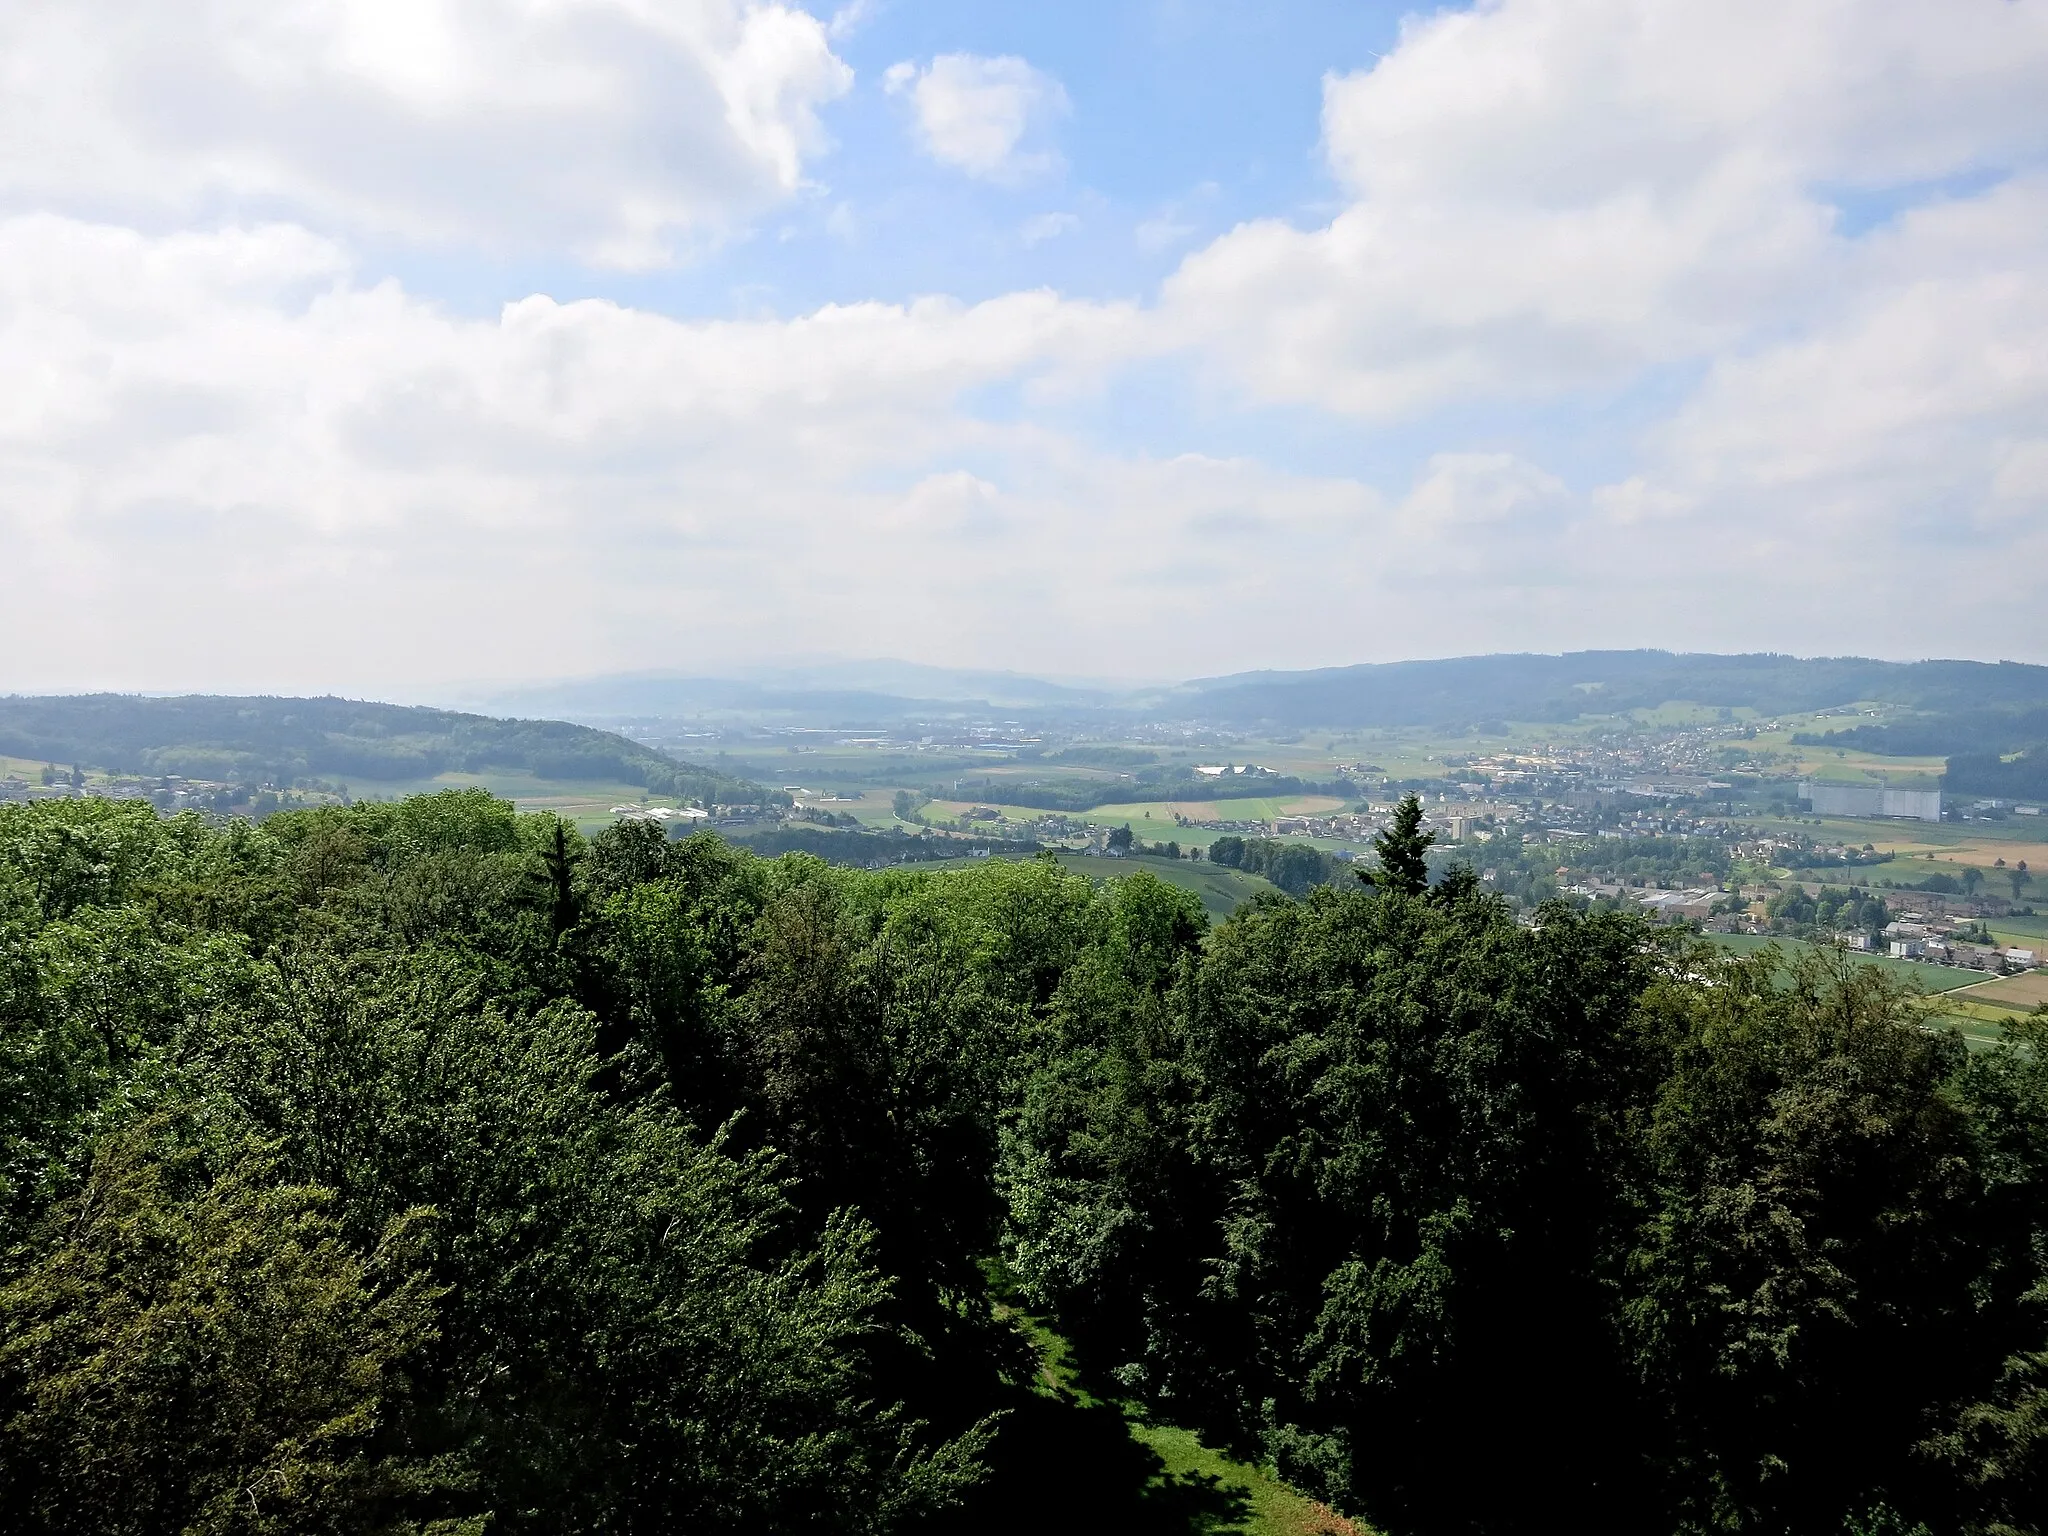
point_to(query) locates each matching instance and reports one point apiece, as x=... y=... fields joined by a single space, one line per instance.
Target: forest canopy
x=422 y=1166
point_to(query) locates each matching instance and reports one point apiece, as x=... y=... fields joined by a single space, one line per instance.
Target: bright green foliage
x=187 y=1355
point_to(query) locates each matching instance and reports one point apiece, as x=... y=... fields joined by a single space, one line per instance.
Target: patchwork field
x=1248 y=809
x=2025 y=991
x=587 y=805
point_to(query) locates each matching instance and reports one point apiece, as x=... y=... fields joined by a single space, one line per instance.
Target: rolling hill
x=285 y=740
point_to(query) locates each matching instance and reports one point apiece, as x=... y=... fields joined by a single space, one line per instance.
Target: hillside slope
x=283 y=740
x=1468 y=688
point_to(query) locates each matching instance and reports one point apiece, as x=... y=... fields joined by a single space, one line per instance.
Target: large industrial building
x=1872 y=800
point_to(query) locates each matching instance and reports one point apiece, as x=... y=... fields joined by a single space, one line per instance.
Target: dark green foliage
x=1402 y=849
x=870 y=850
x=1400 y=1190
x=424 y=1167
x=418 y=1251
x=1977 y=732
x=1294 y=867
x=2022 y=776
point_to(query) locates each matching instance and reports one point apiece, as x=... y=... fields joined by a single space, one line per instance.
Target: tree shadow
x=1063 y=1463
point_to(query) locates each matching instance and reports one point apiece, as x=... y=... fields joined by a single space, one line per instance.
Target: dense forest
x=420 y=1166
x=288 y=741
x=1998 y=752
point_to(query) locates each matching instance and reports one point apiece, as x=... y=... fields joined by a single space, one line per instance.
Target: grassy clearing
x=1078 y=1462
x=1222 y=891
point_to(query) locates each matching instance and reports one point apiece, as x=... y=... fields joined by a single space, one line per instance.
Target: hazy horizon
x=389 y=351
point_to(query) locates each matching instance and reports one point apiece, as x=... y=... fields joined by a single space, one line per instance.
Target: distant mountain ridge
x=1454 y=690
x=281 y=740
x=1543 y=687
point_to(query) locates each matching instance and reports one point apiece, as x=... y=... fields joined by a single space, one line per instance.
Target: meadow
x=1932 y=978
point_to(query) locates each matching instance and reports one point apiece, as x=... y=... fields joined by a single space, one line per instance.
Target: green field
x=1152 y=820
x=1222 y=891
x=587 y=805
x=2026 y=932
x=1934 y=978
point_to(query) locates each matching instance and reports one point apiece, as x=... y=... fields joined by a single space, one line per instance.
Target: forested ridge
x=1538 y=687
x=421 y=1166
x=283 y=741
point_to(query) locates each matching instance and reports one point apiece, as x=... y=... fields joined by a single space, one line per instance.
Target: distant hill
x=278 y=740
x=838 y=692
x=1465 y=689
x=1456 y=691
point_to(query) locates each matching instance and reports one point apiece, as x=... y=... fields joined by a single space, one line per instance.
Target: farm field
x=2026 y=991
x=1917 y=839
x=2025 y=932
x=586 y=805
x=1160 y=813
x=1935 y=978
x=1221 y=891
x=1153 y=820
x=874 y=809
x=1979 y=1024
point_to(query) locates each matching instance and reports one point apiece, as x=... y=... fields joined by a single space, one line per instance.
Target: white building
x=1872 y=800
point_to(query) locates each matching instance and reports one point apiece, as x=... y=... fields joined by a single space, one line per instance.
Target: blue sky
x=1140 y=339
x=1183 y=119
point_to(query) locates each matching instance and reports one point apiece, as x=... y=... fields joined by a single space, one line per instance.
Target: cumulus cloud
x=1549 y=195
x=1575 y=233
x=978 y=115
x=607 y=129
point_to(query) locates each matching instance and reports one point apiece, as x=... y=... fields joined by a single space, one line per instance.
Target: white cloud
x=1555 y=194
x=609 y=129
x=849 y=19
x=233 y=458
x=1048 y=226
x=976 y=114
x=1905 y=433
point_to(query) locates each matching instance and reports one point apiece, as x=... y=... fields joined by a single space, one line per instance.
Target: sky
x=381 y=346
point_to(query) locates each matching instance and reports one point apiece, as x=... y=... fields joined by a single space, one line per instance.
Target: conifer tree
x=1401 y=848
